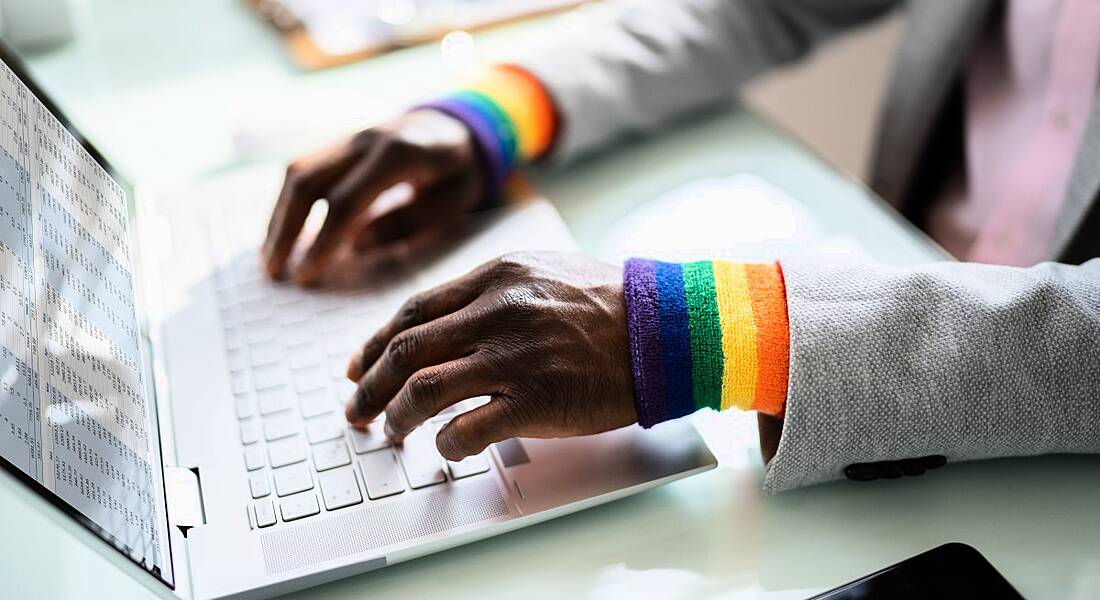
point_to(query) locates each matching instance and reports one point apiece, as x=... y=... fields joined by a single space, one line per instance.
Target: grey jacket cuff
x=962 y=360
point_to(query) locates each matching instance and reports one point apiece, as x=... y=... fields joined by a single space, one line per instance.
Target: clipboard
x=320 y=34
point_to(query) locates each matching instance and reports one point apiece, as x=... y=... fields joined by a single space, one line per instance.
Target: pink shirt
x=1029 y=87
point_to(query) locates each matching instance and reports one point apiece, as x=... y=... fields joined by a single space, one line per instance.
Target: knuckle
x=366 y=137
x=423 y=392
x=448 y=443
x=412 y=311
x=516 y=413
x=402 y=348
x=517 y=301
x=339 y=202
x=295 y=173
x=454 y=442
x=401 y=146
x=513 y=262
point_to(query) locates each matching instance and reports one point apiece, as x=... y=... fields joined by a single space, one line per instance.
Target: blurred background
x=249 y=79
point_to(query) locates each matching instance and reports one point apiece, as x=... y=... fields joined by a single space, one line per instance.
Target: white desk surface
x=164 y=87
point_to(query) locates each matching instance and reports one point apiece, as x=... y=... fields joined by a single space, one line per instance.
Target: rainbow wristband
x=510 y=116
x=711 y=334
x=486 y=144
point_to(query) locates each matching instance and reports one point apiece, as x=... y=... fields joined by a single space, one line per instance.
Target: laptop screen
x=77 y=412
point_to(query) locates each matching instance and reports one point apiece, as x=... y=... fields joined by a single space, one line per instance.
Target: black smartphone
x=952 y=570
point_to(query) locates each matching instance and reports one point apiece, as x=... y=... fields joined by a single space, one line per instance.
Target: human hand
x=428 y=150
x=543 y=334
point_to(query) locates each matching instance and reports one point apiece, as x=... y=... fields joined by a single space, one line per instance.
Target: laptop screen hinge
x=183 y=489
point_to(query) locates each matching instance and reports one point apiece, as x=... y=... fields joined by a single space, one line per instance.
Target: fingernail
x=305 y=275
x=354 y=417
x=391 y=434
x=355 y=366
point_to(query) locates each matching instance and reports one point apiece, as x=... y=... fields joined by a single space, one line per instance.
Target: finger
x=384 y=167
x=442 y=201
x=471 y=433
x=433 y=389
x=421 y=308
x=305 y=181
x=437 y=342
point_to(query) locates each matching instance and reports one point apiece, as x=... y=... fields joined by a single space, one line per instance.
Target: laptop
x=187 y=413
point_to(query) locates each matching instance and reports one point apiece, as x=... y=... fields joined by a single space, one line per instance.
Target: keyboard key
x=337 y=368
x=250 y=432
x=292 y=479
x=254 y=458
x=228 y=315
x=339 y=488
x=281 y=426
x=333 y=324
x=259 y=485
x=471 y=465
x=254 y=303
x=371 y=439
x=245 y=409
x=296 y=320
x=327 y=303
x=261 y=332
x=270 y=376
x=310 y=380
x=251 y=293
x=380 y=474
x=304 y=356
x=273 y=400
x=323 y=429
x=286 y=452
x=266 y=353
x=337 y=345
x=299 y=506
x=264 y=511
x=343 y=390
x=329 y=455
x=318 y=402
x=236 y=359
x=423 y=464
x=241 y=383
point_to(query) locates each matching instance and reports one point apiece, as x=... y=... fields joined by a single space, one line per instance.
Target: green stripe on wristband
x=704 y=323
x=506 y=130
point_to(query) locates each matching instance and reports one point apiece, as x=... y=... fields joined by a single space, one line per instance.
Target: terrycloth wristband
x=505 y=132
x=486 y=143
x=510 y=116
x=710 y=334
x=642 y=318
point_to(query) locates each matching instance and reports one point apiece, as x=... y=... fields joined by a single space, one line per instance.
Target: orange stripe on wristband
x=525 y=101
x=769 y=308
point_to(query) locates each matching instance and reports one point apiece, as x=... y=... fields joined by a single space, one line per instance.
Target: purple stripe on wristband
x=487 y=144
x=644 y=333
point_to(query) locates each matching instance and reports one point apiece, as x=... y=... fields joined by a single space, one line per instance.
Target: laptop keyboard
x=286 y=351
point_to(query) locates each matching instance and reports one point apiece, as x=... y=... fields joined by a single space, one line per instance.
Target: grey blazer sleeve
x=964 y=360
x=632 y=65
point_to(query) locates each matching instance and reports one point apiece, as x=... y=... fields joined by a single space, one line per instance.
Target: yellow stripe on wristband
x=525 y=102
x=738 y=334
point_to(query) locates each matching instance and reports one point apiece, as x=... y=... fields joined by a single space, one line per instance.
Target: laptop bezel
x=15 y=63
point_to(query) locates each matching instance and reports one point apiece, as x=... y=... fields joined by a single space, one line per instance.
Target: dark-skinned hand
x=431 y=152
x=544 y=335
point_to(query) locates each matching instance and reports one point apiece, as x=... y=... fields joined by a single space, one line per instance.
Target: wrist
x=510 y=117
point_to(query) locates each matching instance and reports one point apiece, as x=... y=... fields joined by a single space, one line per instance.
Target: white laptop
x=188 y=413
